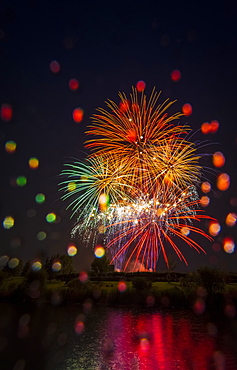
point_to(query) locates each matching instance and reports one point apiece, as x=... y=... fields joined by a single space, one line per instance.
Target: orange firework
x=132 y=131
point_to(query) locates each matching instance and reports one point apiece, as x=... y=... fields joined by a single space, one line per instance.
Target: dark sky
x=107 y=46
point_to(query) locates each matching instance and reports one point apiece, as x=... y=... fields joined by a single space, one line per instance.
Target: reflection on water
x=76 y=338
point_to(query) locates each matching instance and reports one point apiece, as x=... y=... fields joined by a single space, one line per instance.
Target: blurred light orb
x=210 y=128
x=205 y=128
x=51 y=217
x=187 y=109
x=144 y=344
x=71 y=250
x=214 y=228
x=231 y=219
x=99 y=251
x=71 y=186
x=40 y=198
x=206 y=187
x=10 y=146
x=54 y=66
x=36 y=266
x=8 y=222
x=140 y=86
x=33 y=163
x=6 y=112
x=223 y=181
x=78 y=114
x=56 y=266
x=214 y=126
x=41 y=235
x=13 y=263
x=228 y=245
x=73 y=84
x=122 y=286
x=185 y=231
x=79 y=327
x=3 y=260
x=175 y=75
x=21 y=181
x=218 y=159
x=103 y=201
x=83 y=277
x=204 y=201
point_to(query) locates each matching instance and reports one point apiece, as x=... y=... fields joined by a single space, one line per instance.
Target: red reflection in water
x=155 y=341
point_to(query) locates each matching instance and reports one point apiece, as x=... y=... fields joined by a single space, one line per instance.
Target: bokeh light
x=103 y=201
x=71 y=250
x=204 y=201
x=13 y=263
x=71 y=186
x=79 y=327
x=99 y=251
x=73 y=84
x=144 y=344
x=36 y=266
x=214 y=228
x=56 y=266
x=223 y=181
x=21 y=180
x=175 y=75
x=41 y=235
x=6 y=112
x=210 y=128
x=228 y=245
x=10 y=146
x=54 y=66
x=214 y=126
x=199 y=306
x=206 y=187
x=51 y=217
x=33 y=163
x=140 y=86
x=218 y=159
x=187 y=109
x=205 y=128
x=122 y=286
x=8 y=222
x=40 y=198
x=185 y=231
x=231 y=219
x=83 y=277
x=3 y=260
x=78 y=114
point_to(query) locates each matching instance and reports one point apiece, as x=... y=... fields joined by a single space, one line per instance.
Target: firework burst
x=146 y=170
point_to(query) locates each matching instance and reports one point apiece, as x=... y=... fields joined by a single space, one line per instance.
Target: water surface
x=73 y=337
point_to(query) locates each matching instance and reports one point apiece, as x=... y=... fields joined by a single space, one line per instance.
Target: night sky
x=108 y=46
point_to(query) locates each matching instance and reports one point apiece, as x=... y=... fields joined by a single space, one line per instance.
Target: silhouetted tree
x=66 y=263
x=100 y=266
